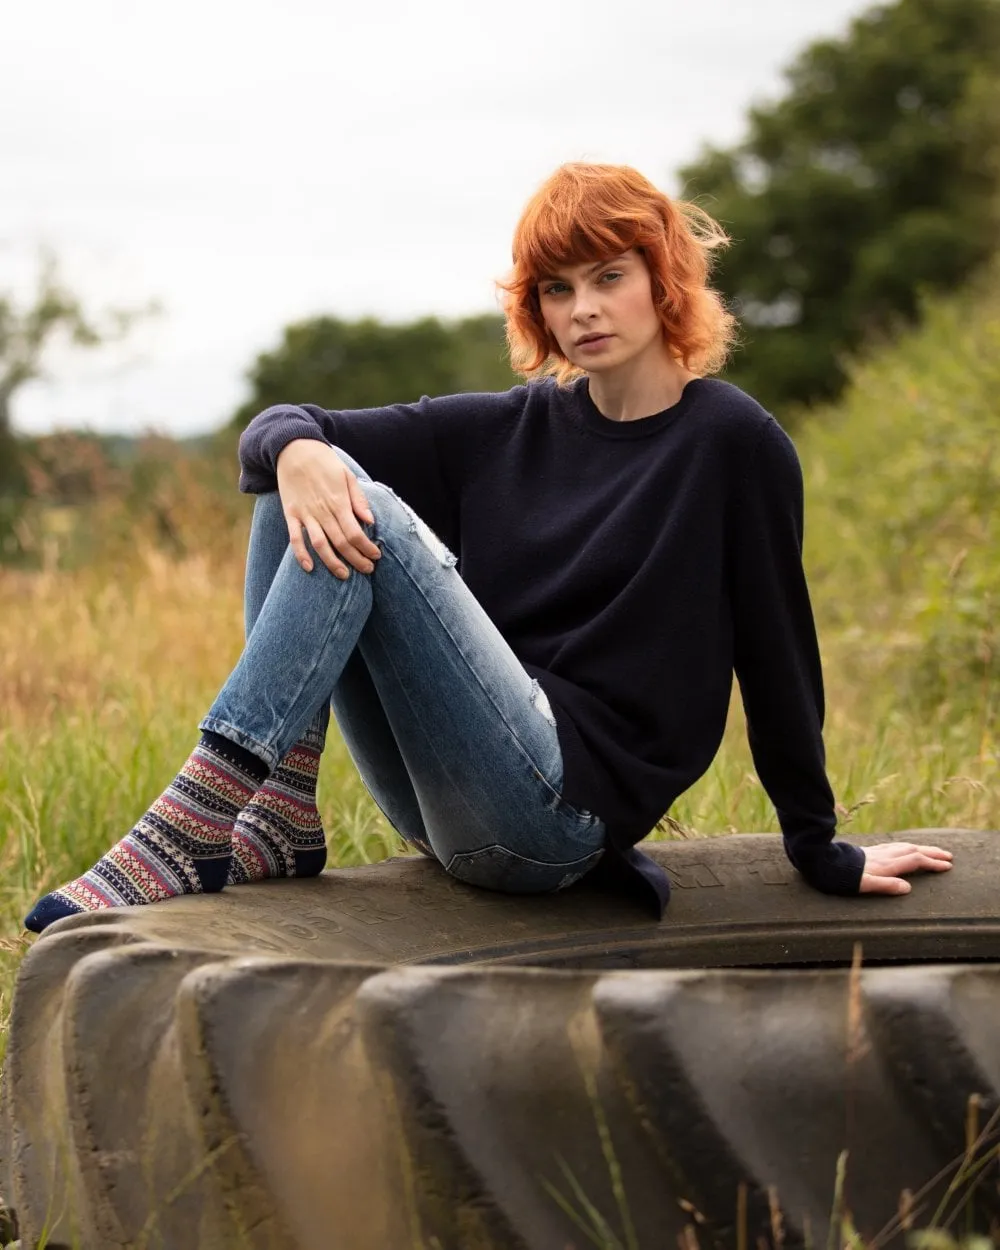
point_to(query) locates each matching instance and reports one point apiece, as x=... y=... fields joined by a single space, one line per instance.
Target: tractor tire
x=383 y=1058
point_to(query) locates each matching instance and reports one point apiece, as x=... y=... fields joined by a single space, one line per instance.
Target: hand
x=886 y=863
x=320 y=495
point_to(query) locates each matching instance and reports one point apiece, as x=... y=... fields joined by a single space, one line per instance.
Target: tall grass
x=106 y=665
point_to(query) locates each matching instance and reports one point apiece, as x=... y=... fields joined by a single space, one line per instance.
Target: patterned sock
x=182 y=845
x=279 y=833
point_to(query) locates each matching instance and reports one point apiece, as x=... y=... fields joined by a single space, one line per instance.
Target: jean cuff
x=268 y=754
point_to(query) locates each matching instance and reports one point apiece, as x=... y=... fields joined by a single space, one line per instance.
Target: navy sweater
x=632 y=566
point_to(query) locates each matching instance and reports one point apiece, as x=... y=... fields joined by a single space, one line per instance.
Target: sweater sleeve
x=420 y=450
x=778 y=664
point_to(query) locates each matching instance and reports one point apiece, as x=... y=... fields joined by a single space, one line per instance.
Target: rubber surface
x=295 y=1065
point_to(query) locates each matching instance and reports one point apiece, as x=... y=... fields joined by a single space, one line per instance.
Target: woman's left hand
x=887 y=863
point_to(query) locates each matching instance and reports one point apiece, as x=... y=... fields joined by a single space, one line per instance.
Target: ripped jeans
x=453 y=740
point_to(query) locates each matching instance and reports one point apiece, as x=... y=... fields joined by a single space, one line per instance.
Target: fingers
x=357 y=540
x=298 y=543
x=897 y=858
x=871 y=884
x=887 y=864
x=337 y=544
x=358 y=501
x=322 y=496
x=327 y=549
x=905 y=848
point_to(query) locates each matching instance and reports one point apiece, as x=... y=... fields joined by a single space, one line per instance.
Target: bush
x=903 y=478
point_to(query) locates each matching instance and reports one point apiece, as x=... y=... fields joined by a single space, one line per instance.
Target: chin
x=610 y=360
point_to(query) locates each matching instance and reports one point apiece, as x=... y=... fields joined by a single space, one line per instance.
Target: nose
x=585 y=305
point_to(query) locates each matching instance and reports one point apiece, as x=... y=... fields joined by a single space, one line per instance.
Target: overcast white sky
x=252 y=162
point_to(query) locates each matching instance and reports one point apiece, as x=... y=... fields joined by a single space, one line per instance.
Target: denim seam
x=503 y=719
x=331 y=622
x=536 y=863
x=409 y=839
x=380 y=539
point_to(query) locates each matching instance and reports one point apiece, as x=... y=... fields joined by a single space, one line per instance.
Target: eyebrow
x=612 y=260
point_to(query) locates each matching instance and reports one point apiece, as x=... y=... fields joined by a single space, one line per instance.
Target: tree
x=363 y=364
x=26 y=336
x=874 y=179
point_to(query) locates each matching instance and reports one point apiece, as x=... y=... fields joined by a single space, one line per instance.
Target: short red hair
x=588 y=212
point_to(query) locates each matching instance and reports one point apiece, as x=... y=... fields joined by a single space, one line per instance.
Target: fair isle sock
x=182 y=845
x=279 y=833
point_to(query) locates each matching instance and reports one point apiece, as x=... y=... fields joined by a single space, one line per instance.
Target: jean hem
x=268 y=754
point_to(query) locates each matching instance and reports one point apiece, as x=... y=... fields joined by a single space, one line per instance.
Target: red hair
x=587 y=212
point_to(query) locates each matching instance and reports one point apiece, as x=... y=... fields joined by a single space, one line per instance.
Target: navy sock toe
x=47 y=911
x=181 y=845
x=279 y=833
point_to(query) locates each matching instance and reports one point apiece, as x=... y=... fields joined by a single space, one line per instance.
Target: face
x=602 y=315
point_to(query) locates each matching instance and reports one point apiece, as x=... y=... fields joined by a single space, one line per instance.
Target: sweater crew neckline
x=595 y=421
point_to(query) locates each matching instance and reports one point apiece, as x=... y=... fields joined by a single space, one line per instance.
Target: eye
x=554 y=288
x=613 y=274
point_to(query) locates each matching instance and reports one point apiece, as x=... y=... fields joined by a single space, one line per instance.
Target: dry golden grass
x=104 y=675
x=105 y=669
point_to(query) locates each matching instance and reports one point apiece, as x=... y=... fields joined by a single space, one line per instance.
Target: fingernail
x=307 y=567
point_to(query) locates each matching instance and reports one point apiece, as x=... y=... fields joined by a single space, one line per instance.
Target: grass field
x=107 y=662
x=105 y=669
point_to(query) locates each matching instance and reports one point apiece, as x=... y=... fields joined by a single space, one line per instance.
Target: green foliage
x=27 y=333
x=941 y=1239
x=874 y=179
x=26 y=336
x=89 y=499
x=363 y=364
x=13 y=485
x=903 y=534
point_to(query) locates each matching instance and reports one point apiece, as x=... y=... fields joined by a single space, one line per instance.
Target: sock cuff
x=314 y=738
x=303 y=755
x=245 y=760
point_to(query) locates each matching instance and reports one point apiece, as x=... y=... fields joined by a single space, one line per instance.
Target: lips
x=591 y=338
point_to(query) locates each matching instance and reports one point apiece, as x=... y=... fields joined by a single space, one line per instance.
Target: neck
x=639 y=388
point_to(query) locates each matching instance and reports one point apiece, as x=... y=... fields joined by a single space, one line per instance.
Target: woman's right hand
x=319 y=494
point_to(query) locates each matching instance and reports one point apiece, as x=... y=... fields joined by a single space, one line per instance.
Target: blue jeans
x=454 y=741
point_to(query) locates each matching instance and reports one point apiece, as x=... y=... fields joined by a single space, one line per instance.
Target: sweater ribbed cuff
x=833 y=868
x=260 y=449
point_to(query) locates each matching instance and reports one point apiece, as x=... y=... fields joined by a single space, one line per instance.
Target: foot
x=182 y=845
x=279 y=833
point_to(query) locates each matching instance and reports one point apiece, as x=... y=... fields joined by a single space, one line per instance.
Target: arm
x=778 y=667
x=398 y=445
x=422 y=450
x=777 y=663
x=267 y=436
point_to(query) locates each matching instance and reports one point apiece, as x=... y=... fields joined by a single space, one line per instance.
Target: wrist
x=295 y=446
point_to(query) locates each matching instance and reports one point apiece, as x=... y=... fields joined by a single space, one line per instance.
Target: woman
x=628 y=532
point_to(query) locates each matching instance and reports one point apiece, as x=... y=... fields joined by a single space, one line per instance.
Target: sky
x=249 y=163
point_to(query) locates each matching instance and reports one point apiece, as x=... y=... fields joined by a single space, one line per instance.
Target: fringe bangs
x=590 y=212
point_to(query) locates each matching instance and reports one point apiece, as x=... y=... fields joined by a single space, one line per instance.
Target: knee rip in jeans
x=426 y=535
x=540 y=701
